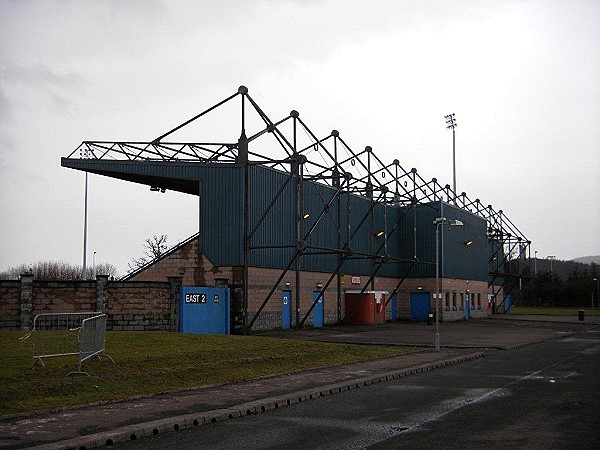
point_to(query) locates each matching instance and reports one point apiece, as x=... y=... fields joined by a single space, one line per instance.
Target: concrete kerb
x=136 y=431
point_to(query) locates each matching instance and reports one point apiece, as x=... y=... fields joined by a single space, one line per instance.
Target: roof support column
x=242 y=158
x=297 y=172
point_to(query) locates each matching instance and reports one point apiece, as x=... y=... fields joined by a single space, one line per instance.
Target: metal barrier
x=69 y=334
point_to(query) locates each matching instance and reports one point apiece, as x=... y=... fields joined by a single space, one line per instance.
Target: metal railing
x=69 y=334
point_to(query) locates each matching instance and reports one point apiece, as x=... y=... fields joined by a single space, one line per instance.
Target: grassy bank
x=553 y=311
x=155 y=362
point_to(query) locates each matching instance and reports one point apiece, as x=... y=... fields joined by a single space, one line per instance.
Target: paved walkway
x=99 y=425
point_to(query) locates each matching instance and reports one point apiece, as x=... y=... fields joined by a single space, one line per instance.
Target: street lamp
x=451 y=125
x=437 y=222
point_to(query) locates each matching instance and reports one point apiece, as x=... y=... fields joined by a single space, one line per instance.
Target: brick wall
x=129 y=305
x=188 y=263
x=139 y=306
x=477 y=290
x=261 y=281
x=149 y=300
x=63 y=296
x=10 y=305
x=196 y=270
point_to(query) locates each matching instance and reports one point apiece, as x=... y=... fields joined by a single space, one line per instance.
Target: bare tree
x=58 y=270
x=153 y=247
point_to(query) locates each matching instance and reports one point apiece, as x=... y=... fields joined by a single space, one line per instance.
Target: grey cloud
x=54 y=85
x=40 y=75
x=5 y=108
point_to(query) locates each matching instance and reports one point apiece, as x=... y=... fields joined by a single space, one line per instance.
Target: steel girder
x=327 y=160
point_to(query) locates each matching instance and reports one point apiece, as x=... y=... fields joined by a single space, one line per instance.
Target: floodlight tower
x=551 y=258
x=451 y=125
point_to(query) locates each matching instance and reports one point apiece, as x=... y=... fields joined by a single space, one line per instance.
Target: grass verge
x=155 y=362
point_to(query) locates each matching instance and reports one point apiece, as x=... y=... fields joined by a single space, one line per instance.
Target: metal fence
x=69 y=334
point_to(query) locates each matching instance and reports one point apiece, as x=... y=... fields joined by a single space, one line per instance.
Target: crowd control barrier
x=69 y=334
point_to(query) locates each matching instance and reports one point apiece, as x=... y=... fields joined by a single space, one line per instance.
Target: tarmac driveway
x=503 y=333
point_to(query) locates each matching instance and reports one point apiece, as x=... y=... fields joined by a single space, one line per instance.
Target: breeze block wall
x=139 y=306
x=10 y=305
x=130 y=306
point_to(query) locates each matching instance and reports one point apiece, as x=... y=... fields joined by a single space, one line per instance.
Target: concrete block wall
x=129 y=305
x=63 y=296
x=139 y=306
x=154 y=305
x=10 y=305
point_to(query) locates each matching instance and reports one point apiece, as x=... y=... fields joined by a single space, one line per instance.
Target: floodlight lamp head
x=455 y=223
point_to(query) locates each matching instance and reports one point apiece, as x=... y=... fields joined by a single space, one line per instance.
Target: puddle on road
x=579 y=339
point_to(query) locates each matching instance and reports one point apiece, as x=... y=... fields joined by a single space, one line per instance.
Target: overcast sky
x=522 y=77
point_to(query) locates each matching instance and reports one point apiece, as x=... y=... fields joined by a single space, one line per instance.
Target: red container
x=365 y=309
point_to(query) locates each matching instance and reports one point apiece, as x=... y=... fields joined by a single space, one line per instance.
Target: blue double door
x=286 y=310
x=204 y=310
x=318 y=310
x=419 y=306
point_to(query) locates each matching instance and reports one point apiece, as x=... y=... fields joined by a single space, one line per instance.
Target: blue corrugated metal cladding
x=221 y=221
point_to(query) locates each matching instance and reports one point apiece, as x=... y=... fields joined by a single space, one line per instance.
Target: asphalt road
x=544 y=396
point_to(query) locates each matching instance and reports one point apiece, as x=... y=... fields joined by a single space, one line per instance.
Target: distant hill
x=588 y=259
x=564 y=269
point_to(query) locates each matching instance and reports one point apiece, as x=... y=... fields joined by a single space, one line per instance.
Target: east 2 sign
x=195 y=298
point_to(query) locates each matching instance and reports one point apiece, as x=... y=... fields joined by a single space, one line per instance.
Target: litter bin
x=430 y=317
x=581 y=314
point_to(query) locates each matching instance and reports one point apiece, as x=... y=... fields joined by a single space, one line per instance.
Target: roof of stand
x=282 y=144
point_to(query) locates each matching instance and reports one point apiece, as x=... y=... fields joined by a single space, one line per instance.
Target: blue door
x=318 y=310
x=467 y=306
x=204 y=310
x=419 y=306
x=394 y=301
x=286 y=310
x=507 y=304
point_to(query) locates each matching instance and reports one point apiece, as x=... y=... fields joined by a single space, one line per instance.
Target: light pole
x=85 y=214
x=535 y=265
x=597 y=294
x=551 y=258
x=437 y=222
x=94 y=266
x=451 y=125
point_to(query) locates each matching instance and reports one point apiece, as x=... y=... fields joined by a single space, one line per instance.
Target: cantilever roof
x=328 y=160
